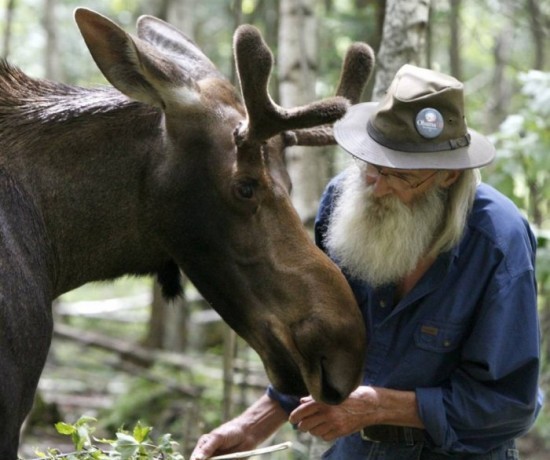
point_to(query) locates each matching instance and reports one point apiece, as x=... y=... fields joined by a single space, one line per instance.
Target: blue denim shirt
x=466 y=337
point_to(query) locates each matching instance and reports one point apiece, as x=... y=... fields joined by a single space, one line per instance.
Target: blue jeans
x=355 y=448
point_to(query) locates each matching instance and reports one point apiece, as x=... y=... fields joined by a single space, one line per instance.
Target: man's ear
x=450 y=177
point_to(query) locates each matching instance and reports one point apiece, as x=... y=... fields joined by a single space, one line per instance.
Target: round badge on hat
x=429 y=123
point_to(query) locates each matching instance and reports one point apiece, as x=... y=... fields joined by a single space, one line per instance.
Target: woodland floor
x=83 y=379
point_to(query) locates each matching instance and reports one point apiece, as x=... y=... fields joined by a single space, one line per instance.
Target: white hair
x=459 y=203
x=381 y=240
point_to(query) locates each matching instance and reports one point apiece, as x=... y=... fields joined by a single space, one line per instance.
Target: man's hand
x=227 y=438
x=330 y=422
x=244 y=432
x=364 y=407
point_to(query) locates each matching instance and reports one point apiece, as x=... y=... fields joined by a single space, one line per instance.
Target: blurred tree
x=540 y=31
x=403 y=40
x=523 y=140
x=499 y=98
x=297 y=70
x=455 y=42
x=10 y=9
x=52 y=57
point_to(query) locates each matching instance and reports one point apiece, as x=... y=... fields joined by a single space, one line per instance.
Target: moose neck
x=89 y=176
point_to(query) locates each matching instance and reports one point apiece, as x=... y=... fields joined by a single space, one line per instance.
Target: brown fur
x=97 y=183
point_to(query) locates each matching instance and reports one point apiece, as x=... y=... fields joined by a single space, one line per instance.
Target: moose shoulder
x=168 y=171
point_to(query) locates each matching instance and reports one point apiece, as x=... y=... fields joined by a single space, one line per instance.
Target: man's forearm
x=263 y=418
x=244 y=432
x=397 y=407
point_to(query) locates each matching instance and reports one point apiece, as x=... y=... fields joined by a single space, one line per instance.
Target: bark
x=403 y=40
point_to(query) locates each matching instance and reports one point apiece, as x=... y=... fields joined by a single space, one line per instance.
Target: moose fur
x=168 y=172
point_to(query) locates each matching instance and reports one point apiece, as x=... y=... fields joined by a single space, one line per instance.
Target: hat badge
x=429 y=123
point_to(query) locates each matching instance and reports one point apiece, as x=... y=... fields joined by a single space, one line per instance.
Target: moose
x=169 y=170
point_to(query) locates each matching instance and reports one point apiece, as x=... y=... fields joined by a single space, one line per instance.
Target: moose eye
x=245 y=190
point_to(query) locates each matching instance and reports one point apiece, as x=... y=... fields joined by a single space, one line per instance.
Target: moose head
x=171 y=172
x=220 y=197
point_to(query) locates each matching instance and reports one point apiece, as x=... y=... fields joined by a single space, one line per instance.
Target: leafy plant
x=522 y=169
x=134 y=445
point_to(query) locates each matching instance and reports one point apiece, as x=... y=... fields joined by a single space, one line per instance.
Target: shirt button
x=382 y=304
x=447 y=343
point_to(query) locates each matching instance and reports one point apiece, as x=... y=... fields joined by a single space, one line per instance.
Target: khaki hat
x=419 y=124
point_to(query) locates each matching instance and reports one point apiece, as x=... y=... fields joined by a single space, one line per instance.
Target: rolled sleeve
x=287 y=402
x=493 y=394
x=432 y=412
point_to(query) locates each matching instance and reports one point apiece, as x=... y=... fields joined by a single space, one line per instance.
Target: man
x=443 y=269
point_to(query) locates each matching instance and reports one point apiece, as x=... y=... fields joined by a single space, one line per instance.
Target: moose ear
x=172 y=42
x=134 y=66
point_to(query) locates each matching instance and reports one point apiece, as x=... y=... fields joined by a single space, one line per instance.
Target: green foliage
x=142 y=397
x=522 y=169
x=134 y=445
x=543 y=261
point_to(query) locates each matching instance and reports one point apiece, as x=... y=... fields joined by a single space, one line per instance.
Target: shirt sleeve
x=287 y=402
x=493 y=395
x=326 y=204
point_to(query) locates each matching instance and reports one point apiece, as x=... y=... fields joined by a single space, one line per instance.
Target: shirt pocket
x=438 y=337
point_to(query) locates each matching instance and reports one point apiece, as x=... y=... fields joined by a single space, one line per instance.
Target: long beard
x=381 y=240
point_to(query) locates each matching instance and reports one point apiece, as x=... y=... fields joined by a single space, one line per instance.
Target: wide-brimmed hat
x=419 y=124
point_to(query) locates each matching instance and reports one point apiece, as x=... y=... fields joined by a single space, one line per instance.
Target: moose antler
x=265 y=118
x=356 y=71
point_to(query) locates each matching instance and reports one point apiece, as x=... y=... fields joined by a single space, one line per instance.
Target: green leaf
x=86 y=420
x=141 y=433
x=65 y=428
x=81 y=437
x=126 y=445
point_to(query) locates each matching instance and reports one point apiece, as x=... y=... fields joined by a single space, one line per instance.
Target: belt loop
x=409 y=438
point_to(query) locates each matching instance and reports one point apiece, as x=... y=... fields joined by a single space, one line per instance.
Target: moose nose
x=333 y=360
x=340 y=374
x=331 y=392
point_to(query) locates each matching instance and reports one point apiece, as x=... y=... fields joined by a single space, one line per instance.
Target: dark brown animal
x=169 y=172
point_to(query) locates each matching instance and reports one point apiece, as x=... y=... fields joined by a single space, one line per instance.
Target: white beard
x=381 y=240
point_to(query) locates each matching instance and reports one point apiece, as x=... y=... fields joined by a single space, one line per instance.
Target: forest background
x=177 y=367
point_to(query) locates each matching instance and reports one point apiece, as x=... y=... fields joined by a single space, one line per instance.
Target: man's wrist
x=262 y=419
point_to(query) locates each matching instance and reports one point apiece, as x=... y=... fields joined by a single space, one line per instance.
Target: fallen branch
x=137 y=357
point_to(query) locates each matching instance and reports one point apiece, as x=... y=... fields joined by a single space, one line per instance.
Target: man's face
x=406 y=185
x=385 y=221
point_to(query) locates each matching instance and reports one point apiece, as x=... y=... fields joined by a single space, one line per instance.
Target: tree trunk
x=536 y=19
x=53 y=69
x=403 y=40
x=297 y=58
x=454 y=51
x=10 y=10
x=501 y=88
